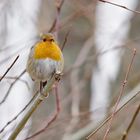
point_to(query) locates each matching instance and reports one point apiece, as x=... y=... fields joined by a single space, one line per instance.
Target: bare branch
x=131 y=123
x=65 y=40
x=8 y=123
x=120 y=95
x=15 y=77
x=108 y=118
x=11 y=86
x=9 y=68
x=38 y=100
x=55 y=25
x=121 y=6
x=54 y=117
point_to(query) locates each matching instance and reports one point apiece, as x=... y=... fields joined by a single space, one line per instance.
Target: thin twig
x=51 y=120
x=15 y=77
x=108 y=118
x=55 y=25
x=11 y=86
x=65 y=40
x=9 y=68
x=120 y=95
x=59 y=4
x=131 y=123
x=121 y=6
x=8 y=123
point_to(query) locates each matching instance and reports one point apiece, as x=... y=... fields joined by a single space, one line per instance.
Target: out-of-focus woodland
x=100 y=41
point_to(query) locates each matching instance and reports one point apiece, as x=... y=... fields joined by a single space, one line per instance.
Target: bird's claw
x=57 y=76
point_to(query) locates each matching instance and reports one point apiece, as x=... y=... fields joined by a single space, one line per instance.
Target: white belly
x=42 y=69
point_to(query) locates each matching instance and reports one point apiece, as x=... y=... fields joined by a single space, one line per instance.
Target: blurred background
x=100 y=41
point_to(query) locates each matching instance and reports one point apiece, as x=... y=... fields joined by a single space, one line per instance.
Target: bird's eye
x=44 y=39
x=51 y=40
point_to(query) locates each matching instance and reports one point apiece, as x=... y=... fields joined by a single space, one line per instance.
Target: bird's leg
x=42 y=85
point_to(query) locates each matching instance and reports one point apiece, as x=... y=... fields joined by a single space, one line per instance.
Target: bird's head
x=47 y=47
x=47 y=37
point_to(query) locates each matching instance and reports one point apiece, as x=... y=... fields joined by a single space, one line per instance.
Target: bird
x=45 y=59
